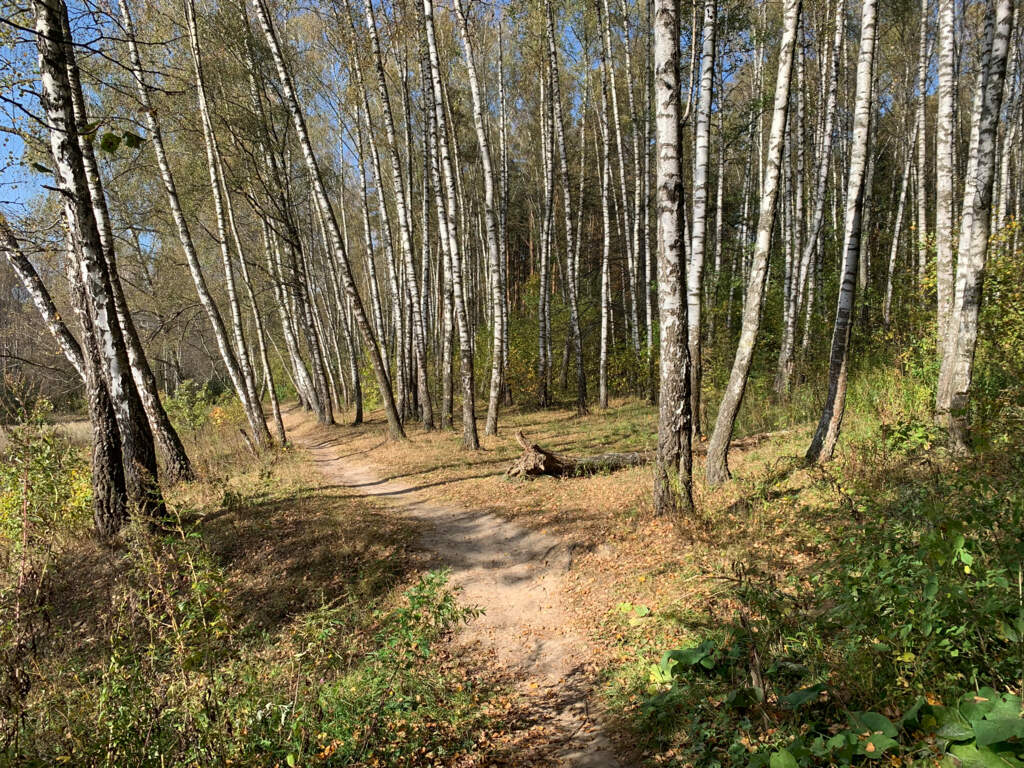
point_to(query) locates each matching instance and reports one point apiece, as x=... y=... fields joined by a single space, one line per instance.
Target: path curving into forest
x=514 y=574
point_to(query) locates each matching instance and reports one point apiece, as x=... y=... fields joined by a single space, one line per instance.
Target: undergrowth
x=147 y=653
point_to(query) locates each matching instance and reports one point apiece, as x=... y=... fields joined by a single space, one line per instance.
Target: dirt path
x=514 y=574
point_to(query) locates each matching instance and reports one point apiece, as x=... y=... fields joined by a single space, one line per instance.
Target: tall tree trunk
x=955 y=387
x=606 y=226
x=491 y=228
x=572 y=274
x=327 y=211
x=718 y=447
x=695 y=273
x=469 y=434
x=137 y=449
x=673 y=469
x=824 y=441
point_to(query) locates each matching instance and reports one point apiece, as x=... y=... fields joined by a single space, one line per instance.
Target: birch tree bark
x=673 y=468
x=945 y=173
x=137 y=450
x=718 y=447
x=327 y=211
x=954 y=389
x=824 y=441
x=469 y=434
x=404 y=225
x=491 y=229
x=695 y=272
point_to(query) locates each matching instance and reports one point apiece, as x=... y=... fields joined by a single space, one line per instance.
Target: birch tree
x=491 y=228
x=323 y=203
x=824 y=441
x=958 y=363
x=718 y=447
x=673 y=467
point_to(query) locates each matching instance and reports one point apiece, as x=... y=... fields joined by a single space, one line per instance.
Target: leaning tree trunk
x=824 y=441
x=327 y=211
x=673 y=493
x=718 y=448
x=108 y=491
x=177 y=466
x=184 y=234
x=491 y=228
x=138 y=454
x=955 y=389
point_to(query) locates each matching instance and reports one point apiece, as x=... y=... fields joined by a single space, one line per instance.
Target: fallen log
x=535 y=461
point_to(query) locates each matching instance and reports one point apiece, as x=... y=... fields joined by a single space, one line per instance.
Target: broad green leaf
x=955 y=731
x=798 y=698
x=1001 y=729
x=874 y=722
x=783 y=759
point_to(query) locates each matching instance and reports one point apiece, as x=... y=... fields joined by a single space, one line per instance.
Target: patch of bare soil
x=517 y=576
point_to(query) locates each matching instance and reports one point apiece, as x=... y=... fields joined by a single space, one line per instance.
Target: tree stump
x=536 y=461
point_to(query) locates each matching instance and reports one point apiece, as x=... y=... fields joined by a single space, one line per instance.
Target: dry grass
x=773 y=519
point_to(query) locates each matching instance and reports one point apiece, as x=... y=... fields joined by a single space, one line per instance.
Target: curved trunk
x=718 y=447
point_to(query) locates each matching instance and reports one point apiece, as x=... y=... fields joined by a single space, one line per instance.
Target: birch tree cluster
x=442 y=209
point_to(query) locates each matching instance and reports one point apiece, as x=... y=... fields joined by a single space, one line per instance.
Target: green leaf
x=969 y=756
x=797 y=699
x=782 y=759
x=873 y=722
x=132 y=141
x=876 y=745
x=291 y=760
x=955 y=731
x=109 y=142
x=41 y=168
x=1001 y=729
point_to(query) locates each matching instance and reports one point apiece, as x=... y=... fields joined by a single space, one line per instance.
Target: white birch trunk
x=718 y=447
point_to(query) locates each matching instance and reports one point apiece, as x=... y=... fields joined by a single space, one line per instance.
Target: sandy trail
x=515 y=575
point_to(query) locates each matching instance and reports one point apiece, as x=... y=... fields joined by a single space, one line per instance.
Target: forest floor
x=582 y=588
